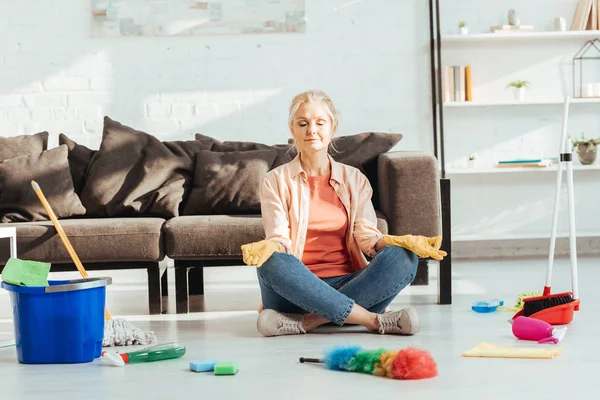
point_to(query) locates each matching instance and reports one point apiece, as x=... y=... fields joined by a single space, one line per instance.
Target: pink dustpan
x=526 y=328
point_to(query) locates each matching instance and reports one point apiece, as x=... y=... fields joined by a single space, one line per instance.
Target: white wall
x=371 y=57
x=496 y=206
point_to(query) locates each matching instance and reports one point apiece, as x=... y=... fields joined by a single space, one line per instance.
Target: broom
x=117 y=332
x=533 y=305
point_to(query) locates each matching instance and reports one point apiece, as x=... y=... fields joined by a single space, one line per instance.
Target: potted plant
x=462 y=27
x=519 y=88
x=472 y=163
x=586 y=149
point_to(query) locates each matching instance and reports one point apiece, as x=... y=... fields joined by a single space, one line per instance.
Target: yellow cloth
x=491 y=350
x=420 y=245
x=258 y=252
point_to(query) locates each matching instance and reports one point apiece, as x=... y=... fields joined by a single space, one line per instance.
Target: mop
x=117 y=332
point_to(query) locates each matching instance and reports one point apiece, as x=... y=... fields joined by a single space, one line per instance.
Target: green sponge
x=26 y=273
x=226 y=368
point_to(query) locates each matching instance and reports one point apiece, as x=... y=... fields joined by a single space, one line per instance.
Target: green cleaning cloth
x=26 y=273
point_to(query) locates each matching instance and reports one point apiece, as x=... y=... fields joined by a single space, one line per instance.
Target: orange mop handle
x=63 y=236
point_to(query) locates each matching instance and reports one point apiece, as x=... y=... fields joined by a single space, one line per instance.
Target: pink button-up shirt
x=285 y=197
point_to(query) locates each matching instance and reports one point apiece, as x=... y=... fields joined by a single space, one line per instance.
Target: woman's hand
x=258 y=252
x=420 y=245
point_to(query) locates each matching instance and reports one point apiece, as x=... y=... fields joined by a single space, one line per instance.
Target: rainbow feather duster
x=403 y=364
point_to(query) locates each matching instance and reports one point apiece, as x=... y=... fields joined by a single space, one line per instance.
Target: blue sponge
x=203 y=366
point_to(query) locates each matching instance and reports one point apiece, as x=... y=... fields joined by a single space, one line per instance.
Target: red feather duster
x=413 y=363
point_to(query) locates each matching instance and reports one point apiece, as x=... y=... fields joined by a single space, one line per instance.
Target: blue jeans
x=288 y=286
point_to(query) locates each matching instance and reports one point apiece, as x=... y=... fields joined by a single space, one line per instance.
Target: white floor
x=269 y=367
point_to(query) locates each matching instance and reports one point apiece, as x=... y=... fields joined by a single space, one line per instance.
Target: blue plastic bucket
x=61 y=323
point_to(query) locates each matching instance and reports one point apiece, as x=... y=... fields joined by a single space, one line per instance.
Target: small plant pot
x=519 y=93
x=472 y=164
x=586 y=154
x=463 y=30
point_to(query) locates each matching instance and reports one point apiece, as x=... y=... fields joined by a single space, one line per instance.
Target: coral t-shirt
x=325 y=252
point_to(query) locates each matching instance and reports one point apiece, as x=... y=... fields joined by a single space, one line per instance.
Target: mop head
x=405 y=364
x=118 y=332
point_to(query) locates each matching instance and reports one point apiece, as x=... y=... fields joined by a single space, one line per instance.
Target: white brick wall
x=54 y=76
x=372 y=57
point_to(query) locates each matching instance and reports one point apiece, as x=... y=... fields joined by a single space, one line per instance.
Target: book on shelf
x=456 y=83
x=511 y=28
x=586 y=16
x=525 y=163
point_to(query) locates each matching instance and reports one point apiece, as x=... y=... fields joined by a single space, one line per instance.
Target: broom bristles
x=118 y=332
x=534 y=305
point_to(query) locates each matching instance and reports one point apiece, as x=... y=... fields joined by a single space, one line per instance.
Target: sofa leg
x=196 y=280
x=164 y=283
x=445 y=266
x=154 y=290
x=181 y=289
x=422 y=277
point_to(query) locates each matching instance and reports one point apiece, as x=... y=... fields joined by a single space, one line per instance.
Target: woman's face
x=312 y=128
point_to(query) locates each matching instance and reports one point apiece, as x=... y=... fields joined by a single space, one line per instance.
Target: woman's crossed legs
x=296 y=301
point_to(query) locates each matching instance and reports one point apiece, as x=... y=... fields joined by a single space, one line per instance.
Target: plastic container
x=557 y=315
x=487 y=306
x=525 y=328
x=61 y=323
x=160 y=352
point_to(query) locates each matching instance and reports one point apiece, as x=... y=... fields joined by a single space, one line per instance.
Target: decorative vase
x=519 y=93
x=513 y=18
x=586 y=154
x=464 y=30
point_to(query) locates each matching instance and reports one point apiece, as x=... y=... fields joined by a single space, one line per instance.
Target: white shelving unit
x=494 y=170
x=521 y=36
x=518 y=102
x=521 y=236
x=478 y=40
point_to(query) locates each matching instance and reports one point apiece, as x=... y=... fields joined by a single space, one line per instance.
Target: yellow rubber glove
x=422 y=246
x=258 y=252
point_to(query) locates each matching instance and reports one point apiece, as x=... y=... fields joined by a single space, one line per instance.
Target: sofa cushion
x=94 y=240
x=14 y=146
x=79 y=159
x=228 y=183
x=135 y=174
x=198 y=237
x=285 y=152
x=50 y=169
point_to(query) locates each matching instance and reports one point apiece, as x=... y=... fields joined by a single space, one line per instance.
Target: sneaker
x=273 y=323
x=405 y=322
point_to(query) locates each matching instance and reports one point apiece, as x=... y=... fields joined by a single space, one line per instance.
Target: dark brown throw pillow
x=363 y=148
x=228 y=182
x=15 y=146
x=135 y=174
x=360 y=150
x=79 y=159
x=285 y=152
x=50 y=169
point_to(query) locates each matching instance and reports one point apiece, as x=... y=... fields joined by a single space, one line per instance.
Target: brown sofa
x=195 y=202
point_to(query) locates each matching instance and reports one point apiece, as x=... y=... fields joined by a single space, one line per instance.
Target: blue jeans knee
x=400 y=262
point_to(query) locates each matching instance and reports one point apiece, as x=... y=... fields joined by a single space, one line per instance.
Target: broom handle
x=572 y=235
x=63 y=236
x=559 y=173
x=311 y=360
